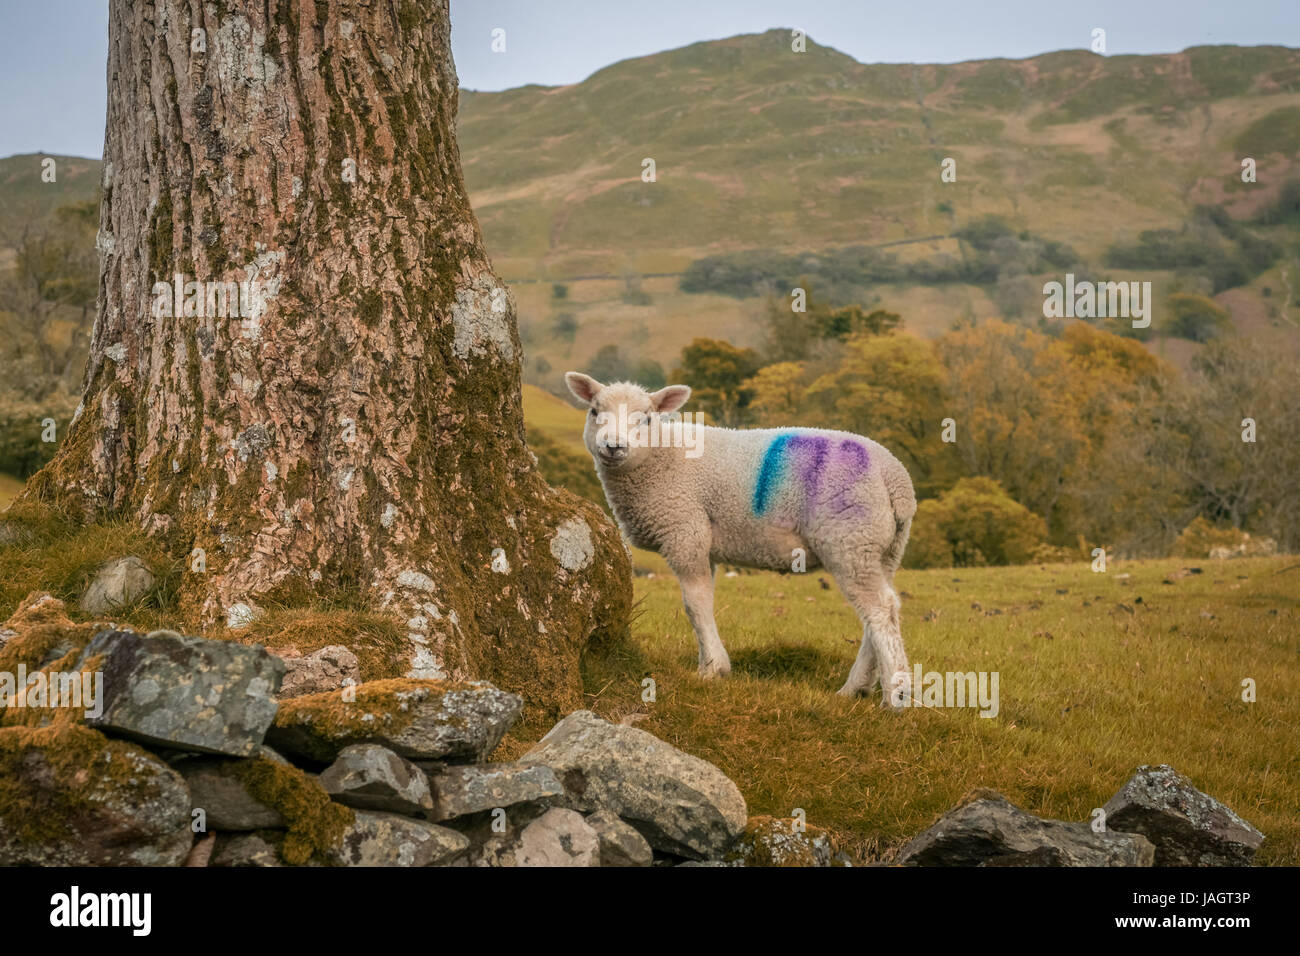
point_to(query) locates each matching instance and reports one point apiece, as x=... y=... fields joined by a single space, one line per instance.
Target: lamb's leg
x=865 y=674
x=697 y=595
x=887 y=635
x=873 y=597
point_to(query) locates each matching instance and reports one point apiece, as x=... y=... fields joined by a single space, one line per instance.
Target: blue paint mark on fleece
x=769 y=473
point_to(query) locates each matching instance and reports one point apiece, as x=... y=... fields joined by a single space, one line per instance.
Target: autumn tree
x=1017 y=419
x=1224 y=435
x=893 y=389
x=354 y=427
x=778 y=394
x=716 y=371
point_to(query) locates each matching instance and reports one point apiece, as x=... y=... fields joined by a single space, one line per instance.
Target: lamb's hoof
x=849 y=691
x=712 y=669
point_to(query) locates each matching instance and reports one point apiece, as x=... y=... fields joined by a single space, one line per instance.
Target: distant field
x=9 y=487
x=1097 y=676
x=556 y=417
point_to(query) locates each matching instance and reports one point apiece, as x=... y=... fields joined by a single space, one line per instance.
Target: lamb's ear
x=671 y=398
x=584 y=387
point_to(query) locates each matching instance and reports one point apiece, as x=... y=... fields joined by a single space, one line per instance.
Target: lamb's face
x=617 y=431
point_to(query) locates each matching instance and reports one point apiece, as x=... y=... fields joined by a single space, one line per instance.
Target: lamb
x=760 y=498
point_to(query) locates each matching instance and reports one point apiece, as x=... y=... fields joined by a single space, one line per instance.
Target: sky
x=53 y=52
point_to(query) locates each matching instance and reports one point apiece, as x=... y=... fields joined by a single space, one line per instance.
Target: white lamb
x=701 y=496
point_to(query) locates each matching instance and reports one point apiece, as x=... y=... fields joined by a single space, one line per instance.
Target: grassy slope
x=757 y=147
x=556 y=417
x=1092 y=684
x=9 y=486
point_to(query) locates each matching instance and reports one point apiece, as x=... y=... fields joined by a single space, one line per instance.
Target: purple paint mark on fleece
x=855 y=461
x=813 y=450
x=827 y=469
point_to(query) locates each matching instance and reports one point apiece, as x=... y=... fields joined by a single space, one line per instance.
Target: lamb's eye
x=592 y=413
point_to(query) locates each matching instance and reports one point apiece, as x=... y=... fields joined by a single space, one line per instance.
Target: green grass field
x=1097 y=675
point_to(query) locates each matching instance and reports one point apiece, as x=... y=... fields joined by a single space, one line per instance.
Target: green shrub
x=974 y=523
x=566 y=469
x=1199 y=537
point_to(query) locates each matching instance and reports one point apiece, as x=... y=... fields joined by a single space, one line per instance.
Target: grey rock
x=385 y=839
x=472 y=788
x=431 y=720
x=188 y=693
x=733 y=864
x=371 y=777
x=989 y=829
x=620 y=843
x=223 y=798
x=324 y=670
x=558 y=837
x=117 y=584
x=537 y=836
x=494 y=834
x=680 y=803
x=78 y=799
x=1188 y=827
x=247 y=849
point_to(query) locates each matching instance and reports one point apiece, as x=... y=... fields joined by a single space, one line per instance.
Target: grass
x=1098 y=674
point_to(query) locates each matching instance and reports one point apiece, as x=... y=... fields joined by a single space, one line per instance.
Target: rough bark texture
x=360 y=429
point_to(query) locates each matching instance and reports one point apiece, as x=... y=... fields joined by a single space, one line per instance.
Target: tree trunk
x=357 y=427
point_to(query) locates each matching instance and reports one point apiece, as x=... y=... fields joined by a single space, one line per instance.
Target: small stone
x=788 y=842
x=472 y=788
x=620 y=843
x=681 y=804
x=117 y=584
x=385 y=839
x=416 y=719
x=217 y=790
x=558 y=837
x=75 y=798
x=247 y=849
x=371 y=777
x=323 y=670
x=986 y=828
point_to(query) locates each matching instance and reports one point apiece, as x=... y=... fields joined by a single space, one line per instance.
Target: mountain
x=760 y=147
x=771 y=164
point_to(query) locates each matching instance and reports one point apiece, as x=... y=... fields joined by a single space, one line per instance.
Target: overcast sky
x=53 y=52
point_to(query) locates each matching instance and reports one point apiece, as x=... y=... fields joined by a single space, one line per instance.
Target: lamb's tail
x=902 y=498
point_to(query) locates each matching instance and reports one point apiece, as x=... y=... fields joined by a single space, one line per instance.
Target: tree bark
x=359 y=427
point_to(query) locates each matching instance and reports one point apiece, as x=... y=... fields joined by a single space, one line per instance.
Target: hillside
x=759 y=150
x=762 y=153
x=756 y=146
